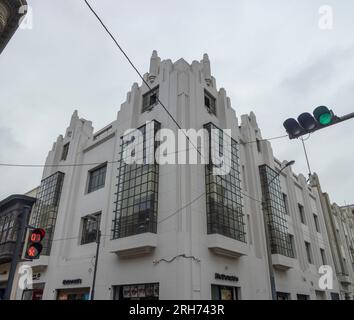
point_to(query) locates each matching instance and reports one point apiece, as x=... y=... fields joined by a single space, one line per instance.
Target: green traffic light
x=323 y=115
x=325 y=119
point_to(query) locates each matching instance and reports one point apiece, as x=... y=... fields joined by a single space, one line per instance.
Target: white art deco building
x=176 y=231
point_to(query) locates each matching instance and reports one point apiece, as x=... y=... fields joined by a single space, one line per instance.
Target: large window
x=223 y=192
x=209 y=102
x=150 y=99
x=275 y=211
x=46 y=208
x=8 y=234
x=137 y=191
x=90 y=227
x=97 y=178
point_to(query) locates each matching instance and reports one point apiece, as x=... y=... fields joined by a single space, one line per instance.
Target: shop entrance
x=73 y=294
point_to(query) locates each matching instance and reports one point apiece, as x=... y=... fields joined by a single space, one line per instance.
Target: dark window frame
x=209 y=102
x=87 y=224
x=137 y=192
x=97 y=178
x=45 y=210
x=274 y=208
x=65 y=151
x=225 y=214
x=283 y=296
x=152 y=289
x=216 y=289
x=302 y=213
x=323 y=256
x=150 y=99
x=317 y=223
x=309 y=254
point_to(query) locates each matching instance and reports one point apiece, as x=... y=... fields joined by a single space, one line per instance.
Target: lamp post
x=267 y=235
x=98 y=242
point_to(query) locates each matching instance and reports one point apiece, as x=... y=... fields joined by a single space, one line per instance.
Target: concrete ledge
x=139 y=244
x=282 y=263
x=225 y=246
x=41 y=263
x=344 y=279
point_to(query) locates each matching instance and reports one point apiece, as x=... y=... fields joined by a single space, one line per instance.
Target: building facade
x=11 y=12
x=11 y=211
x=340 y=228
x=176 y=231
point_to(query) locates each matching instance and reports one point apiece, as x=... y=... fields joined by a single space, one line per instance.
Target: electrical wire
x=137 y=71
x=29 y=165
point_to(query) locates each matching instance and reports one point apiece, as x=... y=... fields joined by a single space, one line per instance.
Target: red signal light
x=34 y=247
x=34 y=250
x=37 y=235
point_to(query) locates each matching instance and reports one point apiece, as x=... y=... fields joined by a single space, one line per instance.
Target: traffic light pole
x=98 y=241
x=23 y=217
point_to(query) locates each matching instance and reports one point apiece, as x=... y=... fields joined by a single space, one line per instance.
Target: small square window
x=150 y=99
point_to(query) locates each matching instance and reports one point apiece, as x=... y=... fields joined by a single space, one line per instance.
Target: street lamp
x=267 y=234
x=98 y=241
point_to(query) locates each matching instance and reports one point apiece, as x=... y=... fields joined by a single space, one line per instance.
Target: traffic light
x=306 y=123
x=34 y=247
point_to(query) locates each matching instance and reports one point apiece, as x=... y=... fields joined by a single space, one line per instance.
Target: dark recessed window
x=150 y=99
x=209 y=102
x=283 y=296
x=65 y=152
x=303 y=297
x=323 y=256
x=317 y=225
x=302 y=213
x=90 y=228
x=97 y=178
x=308 y=252
x=258 y=145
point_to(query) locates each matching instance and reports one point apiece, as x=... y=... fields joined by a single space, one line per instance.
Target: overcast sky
x=270 y=56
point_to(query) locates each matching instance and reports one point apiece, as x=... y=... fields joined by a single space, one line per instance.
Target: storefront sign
x=70 y=282
x=219 y=276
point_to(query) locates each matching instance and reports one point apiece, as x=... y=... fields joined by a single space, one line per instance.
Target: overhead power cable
x=137 y=71
x=29 y=165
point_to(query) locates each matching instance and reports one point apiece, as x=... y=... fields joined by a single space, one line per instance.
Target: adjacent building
x=177 y=231
x=340 y=228
x=11 y=12
x=11 y=212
